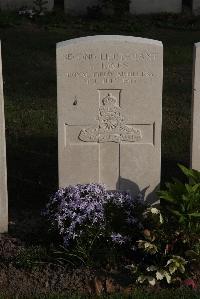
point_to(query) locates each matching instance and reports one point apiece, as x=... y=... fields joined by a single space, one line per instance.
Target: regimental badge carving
x=112 y=126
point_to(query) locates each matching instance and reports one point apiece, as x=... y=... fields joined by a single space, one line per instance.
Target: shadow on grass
x=32 y=178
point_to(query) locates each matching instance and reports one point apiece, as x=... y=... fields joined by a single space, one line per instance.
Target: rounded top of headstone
x=109 y=38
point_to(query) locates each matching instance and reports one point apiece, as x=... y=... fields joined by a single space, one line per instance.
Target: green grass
x=164 y=294
x=29 y=68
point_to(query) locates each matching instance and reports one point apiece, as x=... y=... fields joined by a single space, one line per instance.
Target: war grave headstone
x=3 y=169
x=79 y=7
x=18 y=4
x=155 y=6
x=196 y=7
x=109 y=112
x=195 y=140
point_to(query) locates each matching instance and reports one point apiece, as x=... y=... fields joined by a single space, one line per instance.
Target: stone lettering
x=113 y=134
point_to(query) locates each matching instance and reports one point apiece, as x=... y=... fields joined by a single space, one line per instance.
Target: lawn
x=174 y=294
x=29 y=69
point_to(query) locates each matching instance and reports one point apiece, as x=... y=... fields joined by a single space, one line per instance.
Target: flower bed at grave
x=105 y=242
x=99 y=227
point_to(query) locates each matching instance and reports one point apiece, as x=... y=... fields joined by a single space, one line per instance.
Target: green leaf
x=168 y=277
x=190 y=173
x=191 y=254
x=175 y=212
x=159 y=275
x=195 y=187
x=181 y=268
x=196 y=215
x=172 y=269
x=188 y=188
x=152 y=268
x=181 y=202
x=167 y=196
x=151 y=280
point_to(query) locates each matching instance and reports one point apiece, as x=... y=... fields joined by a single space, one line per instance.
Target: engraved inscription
x=112 y=126
x=110 y=68
x=134 y=56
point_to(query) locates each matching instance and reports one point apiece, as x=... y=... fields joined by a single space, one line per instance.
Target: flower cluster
x=117 y=238
x=73 y=207
x=79 y=210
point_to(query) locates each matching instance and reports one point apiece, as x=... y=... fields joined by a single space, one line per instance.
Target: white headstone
x=79 y=7
x=196 y=7
x=155 y=6
x=109 y=112
x=195 y=141
x=18 y=4
x=3 y=172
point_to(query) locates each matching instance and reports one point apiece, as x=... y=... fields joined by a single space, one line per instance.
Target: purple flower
x=77 y=210
x=118 y=238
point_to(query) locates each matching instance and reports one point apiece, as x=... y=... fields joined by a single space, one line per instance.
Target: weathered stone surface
x=155 y=6
x=109 y=112
x=195 y=140
x=3 y=172
x=196 y=7
x=18 y=4
x=79 y=7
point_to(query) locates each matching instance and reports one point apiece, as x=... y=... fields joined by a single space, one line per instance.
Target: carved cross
x=112 y=126
x=111 y=134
